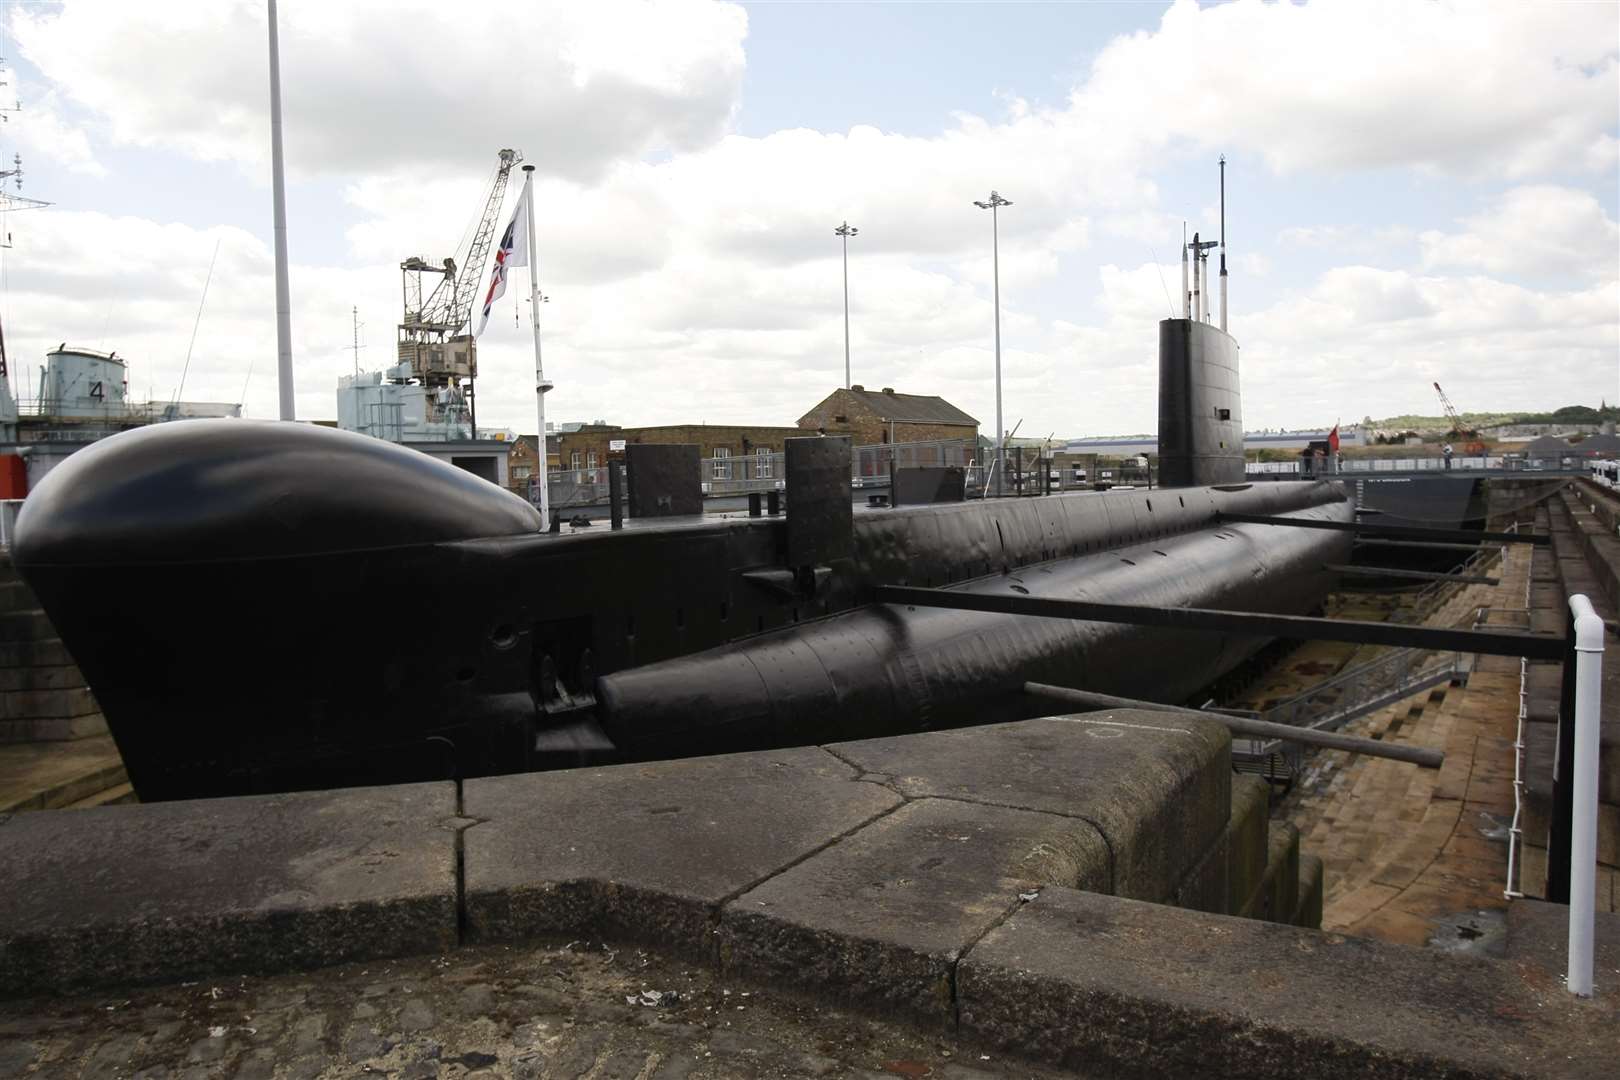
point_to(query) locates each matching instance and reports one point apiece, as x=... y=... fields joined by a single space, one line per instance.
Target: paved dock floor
x=521 y=1012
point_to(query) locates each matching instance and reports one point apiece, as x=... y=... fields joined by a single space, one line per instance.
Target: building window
x=573 y=461
x=722 y=463
x=521 y=472
x=840 y=419
x=762 y=463
x=590 y=464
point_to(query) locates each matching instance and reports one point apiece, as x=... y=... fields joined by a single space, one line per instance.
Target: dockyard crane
x=433 y=337
x=1458 y=431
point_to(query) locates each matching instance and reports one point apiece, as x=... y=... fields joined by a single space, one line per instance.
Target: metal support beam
x=1388 y=532
x=1426 y=544
x=1411 y=575
x=1421 y=756
x=1301 y=627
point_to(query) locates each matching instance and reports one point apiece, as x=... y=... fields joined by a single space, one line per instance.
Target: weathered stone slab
x=32 y=704
x=648 y=852
x=1205 y=887
x=1308 y=911
x=1156 y=785
x=1538 y=933
x=33 y=653
x=167 y=891
x=1247 y=834
x=52 y=729
x=1121 y=988
x=882 y=916
x=1277 y=895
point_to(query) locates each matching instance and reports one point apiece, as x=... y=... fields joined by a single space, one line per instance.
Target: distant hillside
x=1569 y=414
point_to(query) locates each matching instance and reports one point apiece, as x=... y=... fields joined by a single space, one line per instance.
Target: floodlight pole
x=284 y=374
x=994 y=204
x=846 y=231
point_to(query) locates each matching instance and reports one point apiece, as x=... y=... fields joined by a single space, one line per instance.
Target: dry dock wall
x=43 y=696
x=973 y=881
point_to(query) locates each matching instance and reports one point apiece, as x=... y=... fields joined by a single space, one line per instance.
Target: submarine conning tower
x=1200 y=408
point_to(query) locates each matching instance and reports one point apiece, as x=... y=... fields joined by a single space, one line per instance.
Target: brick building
x=725 y=445
x=873 y=417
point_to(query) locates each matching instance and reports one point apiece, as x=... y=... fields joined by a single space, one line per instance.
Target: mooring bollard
x=1583 y=831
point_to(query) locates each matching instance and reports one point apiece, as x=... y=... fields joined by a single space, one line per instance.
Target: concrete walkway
x=588 y=1010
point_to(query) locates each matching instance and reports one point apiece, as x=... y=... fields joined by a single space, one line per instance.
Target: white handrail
x=1583 y=831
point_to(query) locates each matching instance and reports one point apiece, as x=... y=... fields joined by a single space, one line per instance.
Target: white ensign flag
x=512 y=252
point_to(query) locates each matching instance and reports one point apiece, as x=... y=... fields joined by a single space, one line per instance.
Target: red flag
x=1333 y=439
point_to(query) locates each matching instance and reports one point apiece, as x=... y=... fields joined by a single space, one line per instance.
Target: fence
x=742 y=474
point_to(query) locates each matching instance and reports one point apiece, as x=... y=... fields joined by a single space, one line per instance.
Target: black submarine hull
x=265 y=607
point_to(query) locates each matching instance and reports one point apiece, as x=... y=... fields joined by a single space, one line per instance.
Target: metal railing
x=1433 y=596
x=742 y=474
x=1374 y=466
x=121 y=413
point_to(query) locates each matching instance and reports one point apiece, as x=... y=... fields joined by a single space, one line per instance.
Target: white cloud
x=48 y=135
x=1362 y=340
x=370 y=85
x=1350 y=241
x=1513 y=87
x=1542 y=230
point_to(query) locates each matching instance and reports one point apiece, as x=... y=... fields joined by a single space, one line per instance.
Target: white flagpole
x=284 y=374
x=540 y=383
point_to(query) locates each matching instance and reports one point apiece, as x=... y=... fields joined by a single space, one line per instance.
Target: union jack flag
x=507 y=256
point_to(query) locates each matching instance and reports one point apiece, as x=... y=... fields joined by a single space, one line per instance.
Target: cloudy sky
x=1417 y=191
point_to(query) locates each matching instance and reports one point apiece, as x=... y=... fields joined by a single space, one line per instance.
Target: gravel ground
x=488 y=1012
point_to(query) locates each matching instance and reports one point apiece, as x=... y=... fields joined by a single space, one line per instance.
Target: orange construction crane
x=1459 y=432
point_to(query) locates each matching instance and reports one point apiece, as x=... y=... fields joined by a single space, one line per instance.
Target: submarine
x=270 y=606
x=263 y=606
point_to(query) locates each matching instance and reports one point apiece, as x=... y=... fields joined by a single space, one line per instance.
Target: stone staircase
x=1413 y=855
x=55 y=752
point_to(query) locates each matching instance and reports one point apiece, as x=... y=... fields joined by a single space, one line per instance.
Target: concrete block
x=1113 y=987
x=52 y=729
x=1540 y=748
x=882 y=916
x=649 y=852
x=1312 y=882
x=1157 y=786
x=1542 y=683
x=1277 y=895
x=1538 y=819
x=1205 y=888
x=33 y=653
x=1247 y=833
x=15 y=596
x=169 y=891
x=39 y=704
x=25 y=626
x=51 y=677
x=1538 y=933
